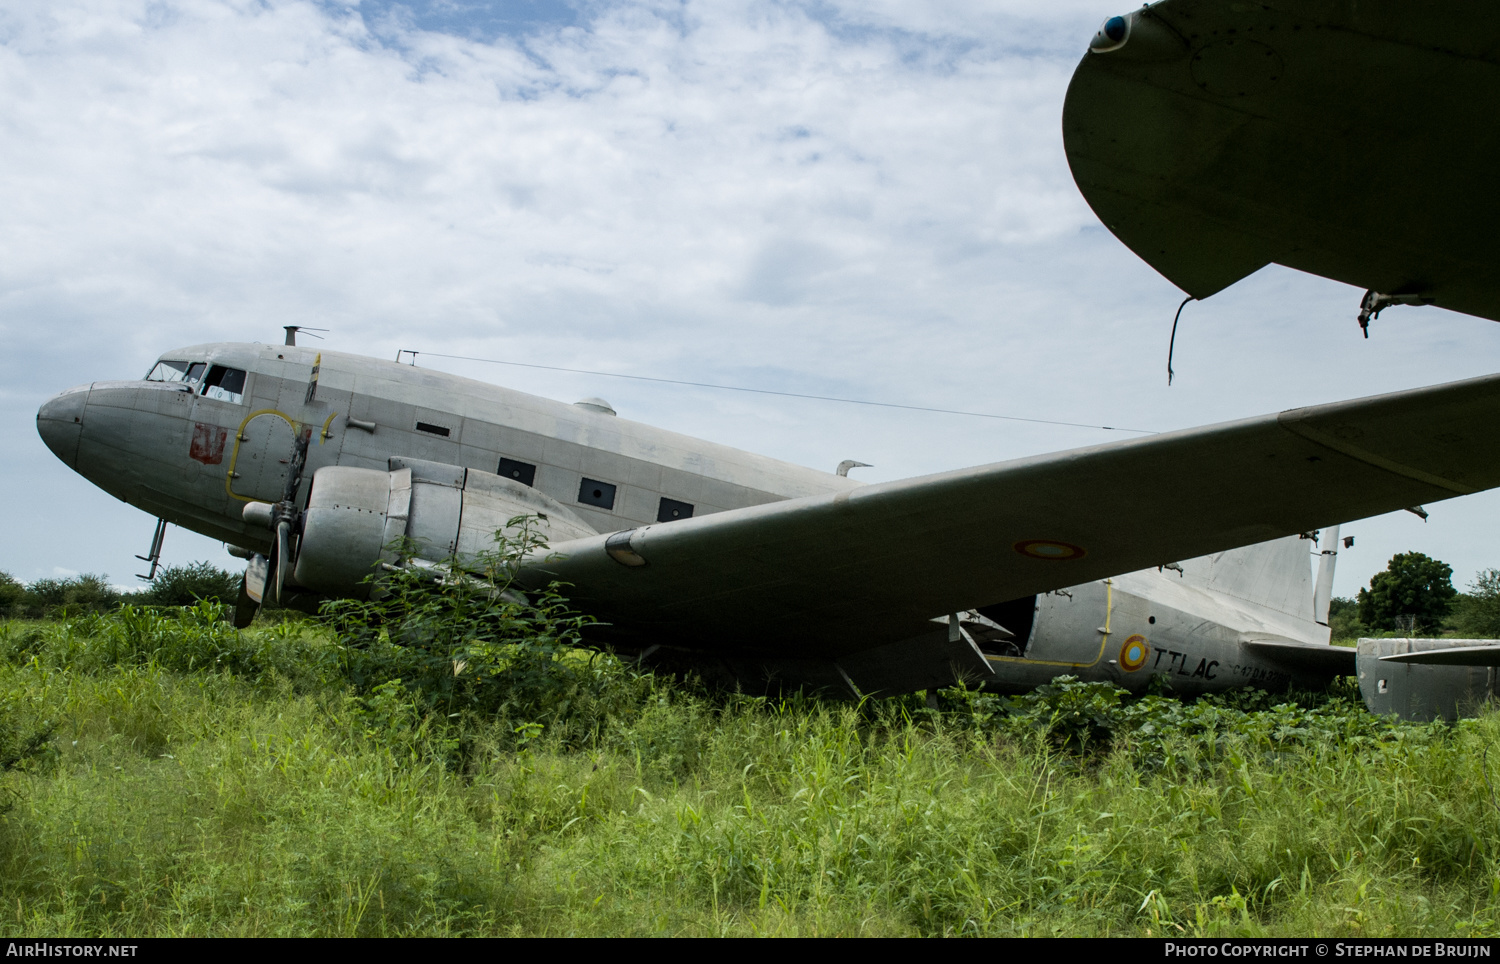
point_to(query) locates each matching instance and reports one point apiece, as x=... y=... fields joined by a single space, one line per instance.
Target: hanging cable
x=1172 y=345
x=768 y=391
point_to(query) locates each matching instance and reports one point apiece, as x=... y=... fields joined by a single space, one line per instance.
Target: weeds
x=464 y=639
x=174 y=776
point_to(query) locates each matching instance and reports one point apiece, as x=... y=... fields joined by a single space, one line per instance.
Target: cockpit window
x=177 y=371
x=224 y=384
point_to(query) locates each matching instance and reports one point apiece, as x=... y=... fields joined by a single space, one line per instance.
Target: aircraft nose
x=60 y=423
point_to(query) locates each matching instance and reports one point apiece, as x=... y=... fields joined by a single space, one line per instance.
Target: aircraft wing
x=828 y=575
x=1348 y=140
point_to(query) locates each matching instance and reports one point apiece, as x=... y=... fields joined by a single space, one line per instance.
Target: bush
x=1343 y=619
x=12 y=594
x=87 y=593
x=464 y=640
x=1478 y=613
x=1088 y=719
x=187 y=585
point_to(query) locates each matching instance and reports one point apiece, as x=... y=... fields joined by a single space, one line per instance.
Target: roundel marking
x=1049 y=549
x=1133 y=654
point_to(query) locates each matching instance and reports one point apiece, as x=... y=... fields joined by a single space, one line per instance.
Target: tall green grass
x=168 y=775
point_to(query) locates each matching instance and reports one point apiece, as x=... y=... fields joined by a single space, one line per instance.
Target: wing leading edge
x=826 y=576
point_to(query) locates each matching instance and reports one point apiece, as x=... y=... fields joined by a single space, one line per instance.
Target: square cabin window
x=594 y=492
x=522 y=472
x=224 y=384
x=671 y=509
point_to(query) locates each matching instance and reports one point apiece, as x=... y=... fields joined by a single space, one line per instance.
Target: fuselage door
x=262 y=454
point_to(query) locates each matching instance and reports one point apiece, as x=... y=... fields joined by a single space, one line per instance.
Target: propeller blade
x=252 y=591
x=283 y=552
x=245 y=608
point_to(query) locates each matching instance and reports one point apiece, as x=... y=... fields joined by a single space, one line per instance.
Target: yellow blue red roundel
x=1133 y=654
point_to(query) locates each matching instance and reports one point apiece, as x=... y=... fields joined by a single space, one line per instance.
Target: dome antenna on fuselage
x=291 y=333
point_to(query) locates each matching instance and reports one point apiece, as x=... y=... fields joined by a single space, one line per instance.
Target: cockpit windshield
x=187 y=373
x=223 y=384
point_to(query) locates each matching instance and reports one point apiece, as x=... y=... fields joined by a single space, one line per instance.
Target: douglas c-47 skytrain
x=313 y=465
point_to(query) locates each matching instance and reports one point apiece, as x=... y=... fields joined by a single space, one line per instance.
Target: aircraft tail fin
x=1274 y=578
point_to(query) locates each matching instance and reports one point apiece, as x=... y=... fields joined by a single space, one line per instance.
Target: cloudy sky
x=864 y=200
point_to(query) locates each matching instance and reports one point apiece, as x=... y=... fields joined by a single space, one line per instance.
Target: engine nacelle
x=354 y=516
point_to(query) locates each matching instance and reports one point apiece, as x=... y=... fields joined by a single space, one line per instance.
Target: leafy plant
x=462 y=636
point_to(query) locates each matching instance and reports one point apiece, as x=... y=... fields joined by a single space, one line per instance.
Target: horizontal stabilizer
x=1427 y=679
x=1306 y=657
x=1482 y=654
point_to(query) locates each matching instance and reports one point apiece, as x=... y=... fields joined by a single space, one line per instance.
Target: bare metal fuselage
x=197 y=460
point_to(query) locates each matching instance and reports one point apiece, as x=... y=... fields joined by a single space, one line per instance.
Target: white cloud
x=859 y=199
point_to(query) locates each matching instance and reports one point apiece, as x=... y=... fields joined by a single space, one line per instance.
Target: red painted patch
x=1049 y=549
x=208 y=443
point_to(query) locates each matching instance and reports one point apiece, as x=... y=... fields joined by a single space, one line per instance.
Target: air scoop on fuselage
x=60 y=423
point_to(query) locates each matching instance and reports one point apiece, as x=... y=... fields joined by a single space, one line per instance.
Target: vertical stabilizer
x=1274 y=575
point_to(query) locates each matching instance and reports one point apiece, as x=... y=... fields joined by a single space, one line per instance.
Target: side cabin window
x=224 y=384
x=594 y=492
x=671 y=509
x=522 y=472
x=186 y=373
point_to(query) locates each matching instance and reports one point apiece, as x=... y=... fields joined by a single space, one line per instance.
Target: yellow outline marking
x=1109 y=604
x=234 y=458
x=326 y=422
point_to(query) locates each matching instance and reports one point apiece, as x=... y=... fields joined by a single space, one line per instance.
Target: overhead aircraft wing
x=1350 y=140
x=827 y=575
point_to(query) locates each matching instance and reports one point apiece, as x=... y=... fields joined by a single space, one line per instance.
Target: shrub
x=1343 y=619
x=1478 y=615
x=87 y=593
x=186 y=585
x=12 y=594
x=462 y=639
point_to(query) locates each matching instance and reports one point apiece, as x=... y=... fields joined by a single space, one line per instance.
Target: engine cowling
x=354 y=516
x=351 y=516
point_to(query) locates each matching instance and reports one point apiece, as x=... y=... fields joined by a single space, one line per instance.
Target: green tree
x=1415 y=592
x=12 y=595
x=1478 y=614
x=1343 y=619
